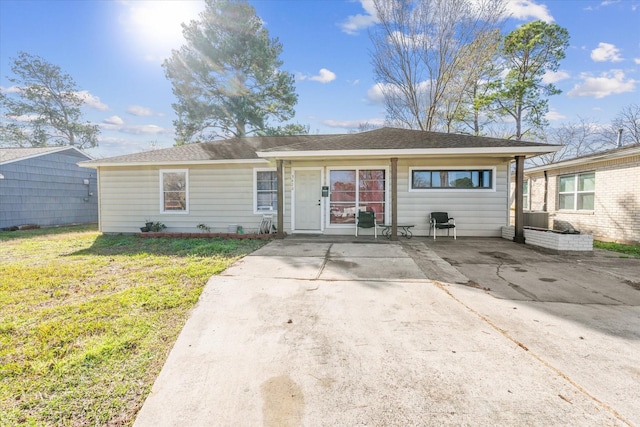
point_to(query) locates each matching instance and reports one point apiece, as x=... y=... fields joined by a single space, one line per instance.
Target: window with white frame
x=577 y=192
x=265 y=190
x=451 y=179
x=354 y=190
x=174 y=191
x=525 y=195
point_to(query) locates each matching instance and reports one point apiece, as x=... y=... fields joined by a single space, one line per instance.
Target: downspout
x=546 y=191
x=519 y=218
x=394 y=198
x=280 y=172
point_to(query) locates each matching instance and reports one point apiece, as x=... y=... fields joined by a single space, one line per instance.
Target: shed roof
x=14 y=154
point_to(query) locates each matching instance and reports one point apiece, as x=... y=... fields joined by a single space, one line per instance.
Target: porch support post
x=394 y=198
x=519 y=217
x=280 y=172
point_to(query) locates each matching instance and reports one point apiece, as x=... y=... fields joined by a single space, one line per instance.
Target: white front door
x=308 y=200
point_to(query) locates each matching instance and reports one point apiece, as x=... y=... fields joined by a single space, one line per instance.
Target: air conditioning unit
x=536 y=219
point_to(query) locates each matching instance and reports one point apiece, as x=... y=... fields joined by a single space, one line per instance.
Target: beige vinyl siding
x=219 y=195
x=477 y=213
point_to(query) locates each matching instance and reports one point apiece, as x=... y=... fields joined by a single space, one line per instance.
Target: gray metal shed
x=45 y=186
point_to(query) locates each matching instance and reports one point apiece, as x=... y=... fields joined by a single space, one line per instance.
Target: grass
x=87 y=320
x=628 y=250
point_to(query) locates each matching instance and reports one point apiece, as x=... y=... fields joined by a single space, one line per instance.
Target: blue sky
x=113 y=50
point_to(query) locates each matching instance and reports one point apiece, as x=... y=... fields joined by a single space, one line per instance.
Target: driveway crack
x=539 y=358
x=324 y=263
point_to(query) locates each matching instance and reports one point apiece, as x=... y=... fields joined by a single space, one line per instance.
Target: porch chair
x=366 y=219
x=266 y=225
x=441 y=221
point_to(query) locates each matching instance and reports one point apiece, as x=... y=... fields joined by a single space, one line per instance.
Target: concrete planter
x=553 y=241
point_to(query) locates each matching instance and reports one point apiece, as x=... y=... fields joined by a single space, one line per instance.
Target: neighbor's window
x=576 y=192
x=525 y=195
x=266 y=191
x=451 y=179
x=174 y=191
x=356 y=190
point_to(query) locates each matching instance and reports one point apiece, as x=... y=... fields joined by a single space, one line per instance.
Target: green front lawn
x=629 y=250
x=87 y=320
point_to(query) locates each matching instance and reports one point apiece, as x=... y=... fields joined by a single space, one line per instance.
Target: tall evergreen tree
x=529 y=52
x=44 y=108
x=226 y=78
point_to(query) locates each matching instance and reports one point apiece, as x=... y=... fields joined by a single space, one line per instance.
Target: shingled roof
x=220 y=150
x=400 y=139
x=364 y=143
x=14 y=154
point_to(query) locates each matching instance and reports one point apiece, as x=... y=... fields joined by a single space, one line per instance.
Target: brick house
x=597 y=194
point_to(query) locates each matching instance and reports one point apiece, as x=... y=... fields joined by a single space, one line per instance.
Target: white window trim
x=255 y=192
x=528 y=195
x=161 y=177
x=452 y=190
x=387 y=196
x=575 y=192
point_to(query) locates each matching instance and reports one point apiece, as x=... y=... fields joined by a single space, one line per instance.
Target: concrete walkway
x=319 y=333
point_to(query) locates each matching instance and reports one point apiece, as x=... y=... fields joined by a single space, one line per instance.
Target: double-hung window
x=174 y=191
x=577 y=192
x=354 y=190
x=265 y=190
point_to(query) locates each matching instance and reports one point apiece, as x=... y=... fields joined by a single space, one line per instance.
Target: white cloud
x=606 y=52
x=140 y=111
x=375 y=94
x=10 y=89
x=525 y=10
x=608 y=83
x=115 y=123
x=25 y=118
x=636 y=60
x=92 y=100
x=113 y=120
x=355 y=23
x=352 y=124
x=554 y=115
x=324 y=76
x=145 y=129
x=555 y=76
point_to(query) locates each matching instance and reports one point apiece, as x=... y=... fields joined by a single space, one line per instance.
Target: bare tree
x=628 y=119
x=465 y=109
x=577 y=139
x=421 y=50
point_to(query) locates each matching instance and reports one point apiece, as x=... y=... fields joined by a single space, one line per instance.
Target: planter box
x=554 y=241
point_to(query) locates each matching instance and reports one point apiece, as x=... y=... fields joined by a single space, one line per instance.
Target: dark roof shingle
x=378 y=139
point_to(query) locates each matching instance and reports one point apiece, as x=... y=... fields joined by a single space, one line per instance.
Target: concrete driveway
x=467 y=332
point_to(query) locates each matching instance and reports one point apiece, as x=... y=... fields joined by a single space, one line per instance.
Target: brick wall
x=554 y=241
x=616 y=214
